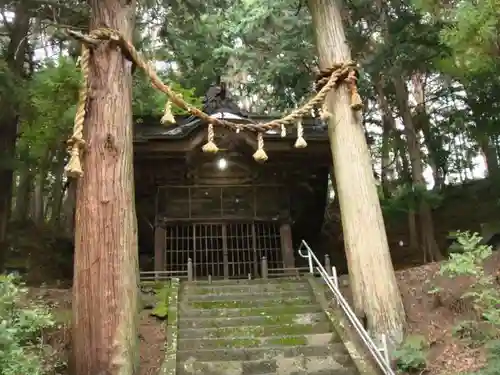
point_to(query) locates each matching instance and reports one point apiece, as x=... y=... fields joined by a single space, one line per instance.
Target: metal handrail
x=382 y=360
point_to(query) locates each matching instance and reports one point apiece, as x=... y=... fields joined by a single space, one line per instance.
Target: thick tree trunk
x=106 y=251
x=9 y=118
x=428 y=238
x=389 y=126
x=490 y=155
x=422 y=122
x=69 y=205
x=56 y=196
x=38 y=199
x=386 y=163
x=371 y=273
x=23 y=195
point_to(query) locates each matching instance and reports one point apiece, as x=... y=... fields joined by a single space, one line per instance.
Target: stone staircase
x=256 y=327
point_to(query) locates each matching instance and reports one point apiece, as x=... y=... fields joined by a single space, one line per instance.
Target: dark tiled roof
x=149 y=127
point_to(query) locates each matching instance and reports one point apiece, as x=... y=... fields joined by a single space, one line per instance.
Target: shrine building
x=225 y=211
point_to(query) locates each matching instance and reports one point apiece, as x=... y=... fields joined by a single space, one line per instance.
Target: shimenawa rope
x=328 y=80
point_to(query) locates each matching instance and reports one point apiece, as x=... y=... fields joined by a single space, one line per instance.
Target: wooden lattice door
x=222 y=250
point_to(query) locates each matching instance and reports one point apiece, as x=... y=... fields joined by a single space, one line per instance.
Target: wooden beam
x=160 y=248
x=287 y=245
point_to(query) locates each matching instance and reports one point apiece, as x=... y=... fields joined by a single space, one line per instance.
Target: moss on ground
x=238 y=343
x=204 y=290
x=287 y=341
x=263 y=331
x=250 y=304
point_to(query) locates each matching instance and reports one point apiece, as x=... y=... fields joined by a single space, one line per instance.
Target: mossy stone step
x=259 y=320
x=250 y=311
x=247 y=296
x=255 y=331
x=272 y=365
x=193 y=289
x=253 y=354
x=278 y=280
x=258 y=303
x=252 y=342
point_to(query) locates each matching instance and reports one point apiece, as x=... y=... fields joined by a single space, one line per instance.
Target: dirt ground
x=151 y=331
x=436 y=315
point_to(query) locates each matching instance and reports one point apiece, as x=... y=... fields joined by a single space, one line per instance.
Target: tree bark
x=371 y=273
x=38 y=199
x=422 y=122
x=490 y=155
x=428 y=238
x=106 y=250
x=23 y=194
x=56 y=196
x=9 y=118
x=389 y=126
x=69 y=205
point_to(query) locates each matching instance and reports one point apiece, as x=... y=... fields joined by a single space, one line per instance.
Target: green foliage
x=411 y=356
x=49 y=110
x=149 y=101
x=20 y=330
x=161 y=308
x=475 y=333
x=407 y=198
x=467 y=260
x=473 y=34
x=10 y=92
x=493 y=358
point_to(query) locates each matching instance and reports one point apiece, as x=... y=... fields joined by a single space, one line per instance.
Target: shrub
x=411 y=356
x=161 y=308
x=468 y=261
x=21 y=327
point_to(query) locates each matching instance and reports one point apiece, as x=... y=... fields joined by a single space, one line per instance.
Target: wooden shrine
x=225 y=211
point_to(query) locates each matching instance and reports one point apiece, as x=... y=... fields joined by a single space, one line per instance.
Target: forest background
x=429 y=77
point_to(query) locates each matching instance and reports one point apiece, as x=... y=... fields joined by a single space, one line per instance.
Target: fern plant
x=411 y=356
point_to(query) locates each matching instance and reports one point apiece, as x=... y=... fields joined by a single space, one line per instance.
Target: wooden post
x=264 y=268
x=225 y=255
x=287 y=245
x=328 y=265
x=160 y=248
x=190 y=270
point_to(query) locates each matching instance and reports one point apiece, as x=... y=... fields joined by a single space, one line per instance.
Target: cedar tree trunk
x=371 y=273
x=106 y=256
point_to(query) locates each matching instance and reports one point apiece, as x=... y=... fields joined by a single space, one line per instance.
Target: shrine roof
x=218 y=103
x=150 y=128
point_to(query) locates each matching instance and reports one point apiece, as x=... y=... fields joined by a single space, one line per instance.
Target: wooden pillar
x=287 y=245
x=160 y=247
x=225 y=256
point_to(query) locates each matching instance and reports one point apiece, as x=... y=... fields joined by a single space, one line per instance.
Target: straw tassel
x=168 y=117
x=356 y=102
x=74 y=167
x=324 y=114
x=300 y=142
x=260 y=154
x=210 y=146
